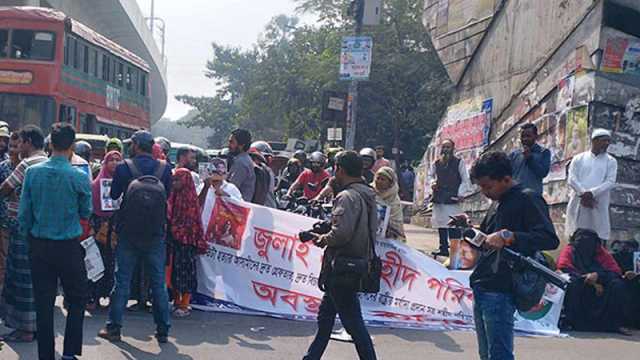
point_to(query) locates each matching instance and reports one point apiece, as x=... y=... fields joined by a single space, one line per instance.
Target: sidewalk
x=421 y=238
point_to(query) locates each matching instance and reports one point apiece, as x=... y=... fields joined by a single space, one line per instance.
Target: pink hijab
x=95 y=186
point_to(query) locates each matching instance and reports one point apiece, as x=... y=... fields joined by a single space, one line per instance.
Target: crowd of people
x=108 y=200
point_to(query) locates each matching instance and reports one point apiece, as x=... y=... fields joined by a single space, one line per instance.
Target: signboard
x=256 y=264
x=336 y=104
x=16 y=77
x=355 y=57
x=621 y=55
x=334 y=134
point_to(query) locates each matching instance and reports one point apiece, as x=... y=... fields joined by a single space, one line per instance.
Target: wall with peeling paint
x=530 y=56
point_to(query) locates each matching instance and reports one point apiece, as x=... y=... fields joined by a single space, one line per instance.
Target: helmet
x=83 y=149
x=300 y=155
x=164 y=143
x=263 y=147
x=114 y=143
x=318 y=157
x=368 y=152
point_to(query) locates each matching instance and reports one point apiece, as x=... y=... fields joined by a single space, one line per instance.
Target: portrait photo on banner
x=106 y=202
x=227 y=224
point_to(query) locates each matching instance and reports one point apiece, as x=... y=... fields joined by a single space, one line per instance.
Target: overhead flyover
x=123 y=22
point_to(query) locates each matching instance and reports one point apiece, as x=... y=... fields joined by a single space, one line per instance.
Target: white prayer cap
x=600 y=132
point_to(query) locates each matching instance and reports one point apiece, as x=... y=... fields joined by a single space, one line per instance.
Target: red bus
x=53 y=68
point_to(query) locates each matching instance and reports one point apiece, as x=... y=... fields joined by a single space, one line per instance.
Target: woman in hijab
x=186 y=239
x=386 y=186
x=104 y=227
x=597 y=298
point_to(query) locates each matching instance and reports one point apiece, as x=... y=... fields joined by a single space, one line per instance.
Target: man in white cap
x=592 y=176
x=4 y=141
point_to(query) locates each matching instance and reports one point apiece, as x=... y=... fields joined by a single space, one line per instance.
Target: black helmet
x=300 y=155
x=83 y=149
x=318 y=157
x=263 y=147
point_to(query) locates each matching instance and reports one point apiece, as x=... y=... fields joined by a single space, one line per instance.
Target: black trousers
x=52 y=260
x=345 y=303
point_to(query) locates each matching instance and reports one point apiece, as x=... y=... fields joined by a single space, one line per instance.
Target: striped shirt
x=17 y=176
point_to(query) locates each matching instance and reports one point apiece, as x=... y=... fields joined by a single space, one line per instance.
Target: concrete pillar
x=19 y=2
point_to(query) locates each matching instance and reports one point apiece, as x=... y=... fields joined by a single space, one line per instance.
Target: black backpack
x=143 y=215
x=263 y=182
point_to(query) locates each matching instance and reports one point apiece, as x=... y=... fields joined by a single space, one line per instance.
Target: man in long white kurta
x=592 y=176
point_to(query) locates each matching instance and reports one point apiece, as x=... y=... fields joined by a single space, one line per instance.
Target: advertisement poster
x=621 y=56
x=565 y=93
x=551 y=130
x=577 y=136
x=355 y=57
x=269 y=271
x=106 y=202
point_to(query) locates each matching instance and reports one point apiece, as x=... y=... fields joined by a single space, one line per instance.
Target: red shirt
x=308 y=177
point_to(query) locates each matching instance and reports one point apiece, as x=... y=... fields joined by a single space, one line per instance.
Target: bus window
x=33 y=45
x=143 y=85
x=94 y=62
x=129 y=80
x=4 y=42
x=67 y=114
x=21 y=110
x=76 y=55
x=120 y=75
x=67 y=45
x=85 y=59
x=106 y=67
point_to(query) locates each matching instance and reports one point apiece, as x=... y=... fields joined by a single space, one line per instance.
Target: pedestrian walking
x=387 y=194
x=354 y=226
x=532 y=162
x=381 y=161
x=17 y=295
x=56 y=252
x=592 y=176
x=518 y=219
x=144 y=184
x=103 y=223
x=185 y=239
x=8 y=208
x=241 y=173
x=449 y=181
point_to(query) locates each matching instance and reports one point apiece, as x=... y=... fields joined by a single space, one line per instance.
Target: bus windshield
x=20 y=110
x=28 y=44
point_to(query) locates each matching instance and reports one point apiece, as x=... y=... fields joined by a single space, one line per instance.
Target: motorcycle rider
x=312 y=180
x=302 y=156
x=265 y=150
x=290 y=174
x=368 y=156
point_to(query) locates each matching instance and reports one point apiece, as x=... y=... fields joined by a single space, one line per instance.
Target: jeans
x=127 y=256
x=52 y=260
x=345 y=303
x=493 y=315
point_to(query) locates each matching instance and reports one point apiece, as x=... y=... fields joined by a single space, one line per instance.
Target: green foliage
x=276 y=88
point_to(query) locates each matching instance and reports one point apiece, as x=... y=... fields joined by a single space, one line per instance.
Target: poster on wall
x=577 y=129
x=621 y=55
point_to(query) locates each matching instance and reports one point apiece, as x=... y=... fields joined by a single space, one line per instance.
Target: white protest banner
x=257 y=265
x=93 y=259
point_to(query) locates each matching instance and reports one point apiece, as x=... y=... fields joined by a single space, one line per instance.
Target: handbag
x=357 y=273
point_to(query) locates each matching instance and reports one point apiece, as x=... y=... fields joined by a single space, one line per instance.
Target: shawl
x=95 y=185
x=185 y=216
x=391 y=199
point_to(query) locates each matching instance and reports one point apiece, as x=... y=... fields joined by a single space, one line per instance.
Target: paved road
x=230 y=337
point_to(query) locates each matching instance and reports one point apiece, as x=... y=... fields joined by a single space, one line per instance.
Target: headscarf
x=391 y=198
x=157 y=153
x=95 y=185
x=184 y=212
x=585 y=244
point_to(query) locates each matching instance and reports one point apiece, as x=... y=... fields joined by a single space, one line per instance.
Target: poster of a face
x=227 y=224
x=383 y=220
x=106 y=202
x=576 y=140
x=463 y=255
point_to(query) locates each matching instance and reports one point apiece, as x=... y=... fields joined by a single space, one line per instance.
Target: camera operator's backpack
x=143 y=215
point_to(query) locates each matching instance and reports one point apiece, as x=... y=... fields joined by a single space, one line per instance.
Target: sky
x=192 y=25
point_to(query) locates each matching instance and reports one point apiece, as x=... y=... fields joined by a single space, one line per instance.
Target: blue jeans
x=345 y=303
x=127 y=257
x=493 y=315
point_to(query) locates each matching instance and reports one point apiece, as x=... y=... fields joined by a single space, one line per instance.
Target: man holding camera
x=518 y=219
x=354 y=224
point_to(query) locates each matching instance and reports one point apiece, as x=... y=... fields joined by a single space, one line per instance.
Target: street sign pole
x=352 y=100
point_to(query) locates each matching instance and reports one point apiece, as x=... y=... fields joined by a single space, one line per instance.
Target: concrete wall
x=526 y=58
x=121 y=21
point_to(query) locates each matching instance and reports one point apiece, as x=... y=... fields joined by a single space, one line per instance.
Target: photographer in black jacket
x=354 y=224
x=518 y=219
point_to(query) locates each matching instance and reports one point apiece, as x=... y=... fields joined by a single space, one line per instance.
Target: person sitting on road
x=597 y=298
x=386 y=188
x=312 y=180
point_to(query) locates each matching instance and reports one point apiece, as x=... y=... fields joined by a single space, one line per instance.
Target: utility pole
x=352 y=98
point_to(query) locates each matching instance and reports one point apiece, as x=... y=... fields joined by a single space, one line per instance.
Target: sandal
x=18 y=336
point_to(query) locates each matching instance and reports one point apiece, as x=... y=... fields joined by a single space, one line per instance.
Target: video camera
x=320 y=228
x=477 y=238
